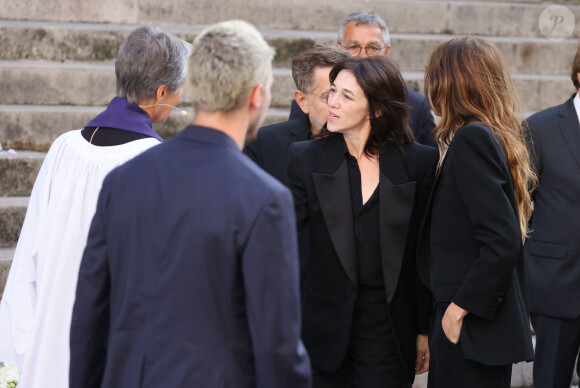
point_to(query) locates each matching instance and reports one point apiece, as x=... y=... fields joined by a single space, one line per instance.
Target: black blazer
x=319 y=181
x=553 y=249
x=472 y=234
x=420 y=117
x=270 y=148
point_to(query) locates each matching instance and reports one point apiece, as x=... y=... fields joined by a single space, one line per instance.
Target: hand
x=422 y=361
x=452 y=322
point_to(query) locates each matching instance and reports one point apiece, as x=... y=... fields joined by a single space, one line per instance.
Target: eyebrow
x=332 y=85
x=349 y=91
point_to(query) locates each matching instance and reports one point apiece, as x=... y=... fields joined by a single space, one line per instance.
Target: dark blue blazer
x=190 y=274
x=553 y=249
x=471 y=234
x=420 y=117
x=319 y=180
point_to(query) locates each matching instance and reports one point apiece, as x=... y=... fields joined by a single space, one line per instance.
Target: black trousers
x=373 y=359
x=449 y=369
x=557 y=346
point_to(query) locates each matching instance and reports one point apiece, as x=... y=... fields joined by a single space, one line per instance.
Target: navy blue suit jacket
x=190 y=274
x=553 y=249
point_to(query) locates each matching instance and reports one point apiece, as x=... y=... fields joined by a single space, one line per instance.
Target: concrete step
x=12 y=212
x=18 y=172
x=459 y=17
x=6 y=255
x=35 y=127
x=55 y=83
x=73 y=83
x=100 y=43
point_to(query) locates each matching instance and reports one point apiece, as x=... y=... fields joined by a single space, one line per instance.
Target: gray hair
x=227 y=61
x=365 y=18
x=147 y=59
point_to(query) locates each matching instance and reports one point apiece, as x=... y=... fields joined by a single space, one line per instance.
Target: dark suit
x=270 y=148
x=319 y=180
x=472 y=234
x=553 y=249
x=190 y=274
x=420 y=117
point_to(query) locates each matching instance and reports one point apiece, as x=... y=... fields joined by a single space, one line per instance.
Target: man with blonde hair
x=190 y=274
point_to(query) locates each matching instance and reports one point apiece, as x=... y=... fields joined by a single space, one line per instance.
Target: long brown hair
x=466 y=81
x=384 y=88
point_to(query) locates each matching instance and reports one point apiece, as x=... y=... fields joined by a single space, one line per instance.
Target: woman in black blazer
x=360 y=193
x=476 y=219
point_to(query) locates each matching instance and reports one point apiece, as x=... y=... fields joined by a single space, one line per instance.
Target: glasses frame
x=353 y=49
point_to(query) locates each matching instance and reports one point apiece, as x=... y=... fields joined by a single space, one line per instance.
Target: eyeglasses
x=355 y=49
x=322 y=96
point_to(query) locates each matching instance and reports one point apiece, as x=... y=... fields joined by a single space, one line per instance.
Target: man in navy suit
x=366 y=34
x=310 y=70
x=552 y=252
x=190 y=274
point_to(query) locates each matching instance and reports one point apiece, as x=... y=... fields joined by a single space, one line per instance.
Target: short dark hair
x=304 y=63
x=576 y=69
x=383 y=85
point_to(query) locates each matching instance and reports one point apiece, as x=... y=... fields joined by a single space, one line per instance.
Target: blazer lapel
x=332 y=187
x=570 y=128
x=395 y=208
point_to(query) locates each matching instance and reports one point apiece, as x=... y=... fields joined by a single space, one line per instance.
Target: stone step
x=493 y=18
x=55 y=83
x=12 y=212
x=6 y=255
x=35 y=127
x=73 y=83
x=100 y=43
x=18 y=172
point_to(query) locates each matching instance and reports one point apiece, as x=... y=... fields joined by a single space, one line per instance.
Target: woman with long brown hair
x=477 y=219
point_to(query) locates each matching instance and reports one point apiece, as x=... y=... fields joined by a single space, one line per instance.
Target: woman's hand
x=422 y=361
x=452 y=322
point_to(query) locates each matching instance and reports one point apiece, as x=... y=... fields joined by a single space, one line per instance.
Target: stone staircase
x=57 y=65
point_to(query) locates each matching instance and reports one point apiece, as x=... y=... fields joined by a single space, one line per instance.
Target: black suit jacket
x=420 y=117
x=190 y=274
x=472 y=234
x=270 y=148
x=553 y=249
x=319 y=181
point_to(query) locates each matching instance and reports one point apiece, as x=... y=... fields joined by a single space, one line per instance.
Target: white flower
x=9 y=374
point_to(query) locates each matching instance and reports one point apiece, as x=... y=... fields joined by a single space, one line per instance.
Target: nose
x=331 y=100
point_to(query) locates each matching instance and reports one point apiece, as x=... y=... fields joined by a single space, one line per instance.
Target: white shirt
x=36 y=308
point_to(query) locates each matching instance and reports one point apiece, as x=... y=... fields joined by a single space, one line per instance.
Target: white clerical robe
x=36 y=309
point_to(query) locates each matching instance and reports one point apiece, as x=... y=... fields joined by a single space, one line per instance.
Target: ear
x=578 y=78
x=256 y=96
x=162 y=92
x=386 y=50
x=300 y=98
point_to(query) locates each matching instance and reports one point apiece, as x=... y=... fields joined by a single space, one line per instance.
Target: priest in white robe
x=36 y=309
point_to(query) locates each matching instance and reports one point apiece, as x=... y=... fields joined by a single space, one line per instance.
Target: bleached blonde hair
x=227 y=61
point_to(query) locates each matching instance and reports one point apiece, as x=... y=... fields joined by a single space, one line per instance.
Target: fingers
x=422 y=364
